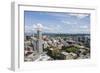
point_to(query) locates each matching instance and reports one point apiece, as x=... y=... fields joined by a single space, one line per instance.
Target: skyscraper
x=39 y=38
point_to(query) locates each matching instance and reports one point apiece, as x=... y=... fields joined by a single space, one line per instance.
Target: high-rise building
x=39 y=38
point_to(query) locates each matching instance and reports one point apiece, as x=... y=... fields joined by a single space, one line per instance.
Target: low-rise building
x=66 y=55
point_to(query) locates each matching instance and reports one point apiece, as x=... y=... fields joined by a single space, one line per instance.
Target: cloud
x=28 y=28
x=41 y=26
x=34 y=27
x=59 y=29
x=58 y=14
x=68 y=22
x=79 y=30
x=79 y=15
x=84 y=27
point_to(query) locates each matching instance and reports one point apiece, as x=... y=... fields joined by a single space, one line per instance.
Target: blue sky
x=57 y=22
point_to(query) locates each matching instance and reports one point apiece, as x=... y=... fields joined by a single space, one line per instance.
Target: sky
x=57 y=22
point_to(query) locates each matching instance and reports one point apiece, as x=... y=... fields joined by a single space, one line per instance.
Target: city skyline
x=57 y=22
